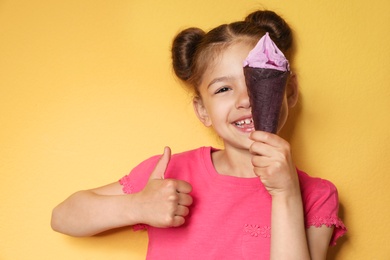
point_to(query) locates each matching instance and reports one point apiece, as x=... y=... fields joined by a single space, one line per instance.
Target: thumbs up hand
x=161 y=166
x=164 y=202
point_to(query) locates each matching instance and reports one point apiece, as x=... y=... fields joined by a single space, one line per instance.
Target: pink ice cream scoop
x=266 y=70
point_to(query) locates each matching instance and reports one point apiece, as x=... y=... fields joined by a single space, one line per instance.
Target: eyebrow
x=216 y=80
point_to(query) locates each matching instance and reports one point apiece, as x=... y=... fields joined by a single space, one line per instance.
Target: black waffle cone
x=266 y=92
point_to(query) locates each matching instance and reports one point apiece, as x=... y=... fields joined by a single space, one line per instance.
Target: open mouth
x=245 y=123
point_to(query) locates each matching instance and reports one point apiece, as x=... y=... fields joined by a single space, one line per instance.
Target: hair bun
x=183 y=49
x=272 y=23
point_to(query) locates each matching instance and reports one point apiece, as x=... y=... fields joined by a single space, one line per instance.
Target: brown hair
x=193 y=50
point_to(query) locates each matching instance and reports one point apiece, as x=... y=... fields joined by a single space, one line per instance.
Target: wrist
x=131 y=209
x=287 y=196
x=291 y=191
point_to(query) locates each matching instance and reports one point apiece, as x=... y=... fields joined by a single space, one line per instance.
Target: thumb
x=162 y=164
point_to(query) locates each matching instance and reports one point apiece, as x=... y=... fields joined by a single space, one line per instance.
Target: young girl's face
x=224 y=102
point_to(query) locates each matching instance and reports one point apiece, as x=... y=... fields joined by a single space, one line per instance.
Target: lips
x=245 y=124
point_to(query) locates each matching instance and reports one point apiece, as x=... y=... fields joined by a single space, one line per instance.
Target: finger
x=260 y=165
x=185 y=199
x=265 y=137
x=261 y=149
x=178 y=221
x=182 y=211
x=260 y=172
x=261 y=161
x=162 y=164
x=183 y=187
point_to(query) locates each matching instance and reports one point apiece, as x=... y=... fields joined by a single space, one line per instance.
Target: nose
x=243 y=99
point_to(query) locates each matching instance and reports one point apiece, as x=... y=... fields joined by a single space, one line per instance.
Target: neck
x=233 y=162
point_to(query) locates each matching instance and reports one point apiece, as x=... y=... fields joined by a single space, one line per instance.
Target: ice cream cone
x=266 y=70
x=266 y=89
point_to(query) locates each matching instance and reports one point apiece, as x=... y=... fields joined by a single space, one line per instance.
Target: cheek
x=218 y=112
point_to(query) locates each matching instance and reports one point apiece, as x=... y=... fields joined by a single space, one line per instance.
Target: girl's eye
x=223 y=89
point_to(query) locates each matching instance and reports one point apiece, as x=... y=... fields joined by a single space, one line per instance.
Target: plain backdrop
x=87 y=92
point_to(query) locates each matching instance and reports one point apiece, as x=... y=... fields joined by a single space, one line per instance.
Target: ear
x=292 y=91
x=201 y=111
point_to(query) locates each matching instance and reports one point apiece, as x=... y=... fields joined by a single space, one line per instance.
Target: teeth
x=242 y=122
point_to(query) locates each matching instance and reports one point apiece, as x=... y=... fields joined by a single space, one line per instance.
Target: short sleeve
x=321 y=204
x=136 y=180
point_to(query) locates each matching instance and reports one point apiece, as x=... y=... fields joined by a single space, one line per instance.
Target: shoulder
x=186 y=164
x=177 y=158
x=314 y=186
x=321 y=204
x=193 y=152
x=139 y=175
x=193 y=155
x=318 y=194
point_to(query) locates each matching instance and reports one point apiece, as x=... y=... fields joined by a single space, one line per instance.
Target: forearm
x=86 y=213
x=288 y=237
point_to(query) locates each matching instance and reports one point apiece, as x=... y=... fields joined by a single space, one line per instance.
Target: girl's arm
x=162 y=203
x=319 y=240
x=288 y=229
x=288 y=237
x=89 y=212
x=273 y=164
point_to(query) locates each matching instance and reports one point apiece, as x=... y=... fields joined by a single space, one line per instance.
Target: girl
x=246 y=201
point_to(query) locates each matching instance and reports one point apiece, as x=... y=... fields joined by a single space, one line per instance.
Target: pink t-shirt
x=230 y=217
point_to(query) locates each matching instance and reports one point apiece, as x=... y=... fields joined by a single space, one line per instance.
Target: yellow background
x=87 y=92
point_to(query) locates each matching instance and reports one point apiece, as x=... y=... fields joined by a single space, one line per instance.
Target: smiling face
x=224 y=102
